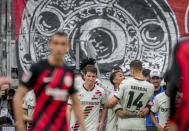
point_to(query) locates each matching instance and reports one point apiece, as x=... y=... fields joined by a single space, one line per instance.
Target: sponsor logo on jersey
x=58 y=94
x=47 y=79
x=164 y=109
x=68 y=80
x=89 y=103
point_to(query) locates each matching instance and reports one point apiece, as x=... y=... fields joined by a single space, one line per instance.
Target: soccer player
x=161 y=105
x=92 y=97
x=111 y=124
x=52 y=83
x=133 y=94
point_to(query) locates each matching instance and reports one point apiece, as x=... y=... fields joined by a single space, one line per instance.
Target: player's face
x=156 y=81
x=58 y=45
x=90 y=78
x=119 y=77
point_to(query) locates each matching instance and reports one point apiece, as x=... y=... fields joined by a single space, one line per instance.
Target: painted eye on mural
x=48 y=23
x=104 y=42
x=152 y=34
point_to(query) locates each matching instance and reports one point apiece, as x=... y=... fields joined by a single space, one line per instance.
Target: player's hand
x=159 y=128
x=100 y=126
x=170 y=126
x=4 y=80
x=143 y=112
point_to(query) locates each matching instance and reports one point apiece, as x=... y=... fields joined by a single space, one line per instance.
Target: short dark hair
x=136 y=65
x=112 y=76
x=59 y=33
x=87 y=61
x=90 y=68
x=116 y=68
x=146 y=72
x=5 y=120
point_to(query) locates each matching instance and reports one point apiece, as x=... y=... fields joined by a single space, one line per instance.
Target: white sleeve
x=69 y=101
x=155 y=106
x=117 y=106
x=104 y=98
x=24 y=105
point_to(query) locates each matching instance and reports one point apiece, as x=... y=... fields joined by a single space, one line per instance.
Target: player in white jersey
x=92 y=97
x=28 y=106
x=134 y=94
x=161 y=105
x=111 y=123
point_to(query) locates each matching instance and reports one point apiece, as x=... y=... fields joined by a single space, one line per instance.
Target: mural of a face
x=119 y=30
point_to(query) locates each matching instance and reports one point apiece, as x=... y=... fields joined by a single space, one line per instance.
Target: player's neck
x=88 y=87
x=116 y=86
x=138 y=76
x=55 y=61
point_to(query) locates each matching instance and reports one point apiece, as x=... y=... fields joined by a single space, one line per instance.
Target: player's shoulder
x=99 y=88
x=38 y=65
x=160 y=95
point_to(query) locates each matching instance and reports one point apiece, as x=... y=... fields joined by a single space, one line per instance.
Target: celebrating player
x=134 y=94
x=92 y=97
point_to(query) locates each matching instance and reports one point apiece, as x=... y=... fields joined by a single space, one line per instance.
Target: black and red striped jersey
x=52 y=85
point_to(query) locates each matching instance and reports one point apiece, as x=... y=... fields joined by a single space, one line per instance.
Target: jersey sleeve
x=69 y=101
x=104 y=98
x=72 y=89
x=24 y=105
x=117 y=106
x=29 y=78
x=155 y=106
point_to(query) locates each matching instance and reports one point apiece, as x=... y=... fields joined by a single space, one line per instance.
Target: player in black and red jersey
x=52 y=83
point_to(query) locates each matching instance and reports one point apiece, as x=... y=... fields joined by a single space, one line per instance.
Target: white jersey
x=161 y=105
x=134 y=95
x=29 y=103
x=91 y=102
x=111 y=123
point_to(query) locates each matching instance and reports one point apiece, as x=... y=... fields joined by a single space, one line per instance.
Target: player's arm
x=76 y=105
x=111 y=102
x=68 y=114
x=154 y=109
x=153 y=118
x=125 y=113
x=18 y=110
x=25 y=117
x=103 y=118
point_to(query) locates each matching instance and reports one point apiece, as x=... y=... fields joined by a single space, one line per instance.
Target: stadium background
x=114 y=32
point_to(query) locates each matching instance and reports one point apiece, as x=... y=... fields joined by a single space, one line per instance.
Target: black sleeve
x=175 y=79
x=29 y=78
x=72 y=89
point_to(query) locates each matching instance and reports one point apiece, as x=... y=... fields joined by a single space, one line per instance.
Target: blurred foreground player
x=52 y=83
x=179 y=112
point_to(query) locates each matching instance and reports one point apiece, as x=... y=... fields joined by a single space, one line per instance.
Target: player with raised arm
x=111 y=124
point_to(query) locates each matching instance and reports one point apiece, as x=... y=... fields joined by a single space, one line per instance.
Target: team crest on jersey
x=26 y=76
x=97 y=95
x=68 y=80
